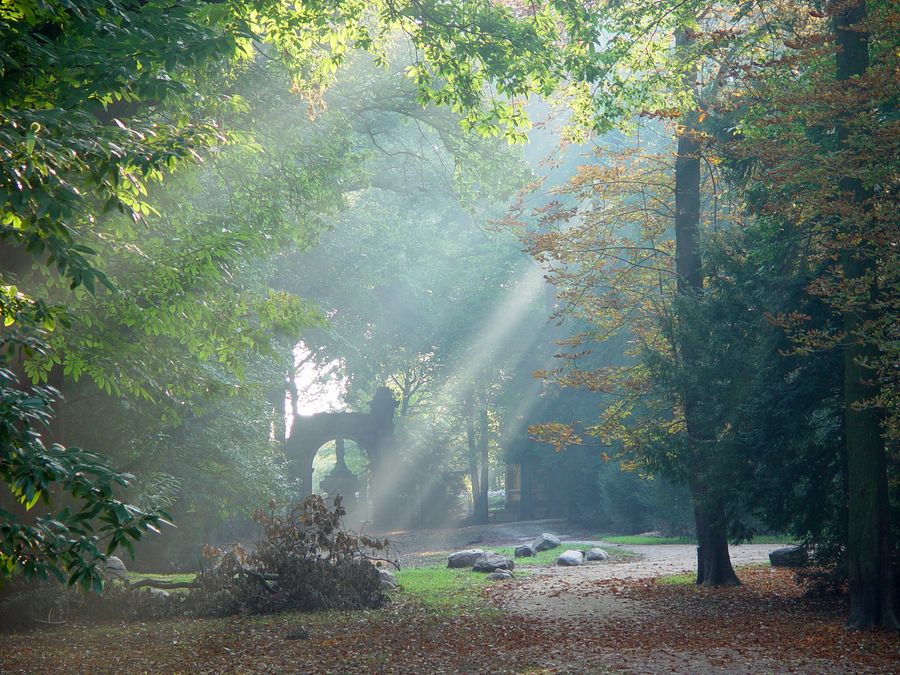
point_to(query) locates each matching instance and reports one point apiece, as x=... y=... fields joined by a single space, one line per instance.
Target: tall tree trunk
x=472 y=447
x=869 y=546
x=483 y=445
x=713 y=560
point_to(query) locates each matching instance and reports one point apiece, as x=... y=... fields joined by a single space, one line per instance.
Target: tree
x=825 y=181
x=98 y=101
x=871 y=573
x=195 y=401
x=591 y=51
x=624 y=29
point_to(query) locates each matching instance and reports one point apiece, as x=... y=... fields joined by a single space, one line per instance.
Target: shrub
x=303 y=561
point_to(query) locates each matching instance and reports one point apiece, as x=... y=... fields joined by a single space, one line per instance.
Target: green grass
x=439 y=587
x=184 y=576
x=549 y=557
x=689 y=578
x=540 y=558
x=640 y=540
x=677 y=579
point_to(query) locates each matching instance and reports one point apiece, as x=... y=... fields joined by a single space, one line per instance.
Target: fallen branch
x=261 y=578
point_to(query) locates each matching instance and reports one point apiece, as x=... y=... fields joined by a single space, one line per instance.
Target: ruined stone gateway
x=372 y=431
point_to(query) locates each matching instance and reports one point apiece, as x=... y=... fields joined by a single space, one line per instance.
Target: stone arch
x=372 y=431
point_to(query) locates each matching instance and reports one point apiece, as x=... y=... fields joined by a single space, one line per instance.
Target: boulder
x=597 y=554
x=465 y=558
x=545 y=542
x=571 y=559
x=114 y=568
x=788 y=556
x=388 y=580
x=159 y=594
x=500 y=575
x=491 y=562
x=524 y=551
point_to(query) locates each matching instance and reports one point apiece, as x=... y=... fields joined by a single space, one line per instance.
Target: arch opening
x=371 y=432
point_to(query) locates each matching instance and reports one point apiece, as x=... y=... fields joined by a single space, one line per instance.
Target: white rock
x=597 y=554
x=114 y=568
x=465 y=558
x=570 y=559
x=545 y=542
x=388 y=580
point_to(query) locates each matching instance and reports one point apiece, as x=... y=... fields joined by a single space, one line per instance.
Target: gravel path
x=562 y=592
x=417 y=548
x=573 y=592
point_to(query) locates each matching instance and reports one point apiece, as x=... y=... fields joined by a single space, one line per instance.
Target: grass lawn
x=183 y=576
x=677 y=579
x=642 y=540
x=441 y=588
x=440 y=623
x=549 y=557
x=691 y=578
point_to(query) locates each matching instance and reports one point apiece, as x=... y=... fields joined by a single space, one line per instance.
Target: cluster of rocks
x=543 y=542
x=573 y=558
x=495 y=565
x=500 y=567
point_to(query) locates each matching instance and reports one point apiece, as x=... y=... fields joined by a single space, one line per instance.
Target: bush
x=303 y=561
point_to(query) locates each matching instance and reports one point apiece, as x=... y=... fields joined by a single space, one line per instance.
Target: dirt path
x=574 y=592
x=416 y=548
x=599 y=618
x=563 y=592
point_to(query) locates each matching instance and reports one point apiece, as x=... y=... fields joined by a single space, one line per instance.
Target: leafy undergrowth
x=765 y=625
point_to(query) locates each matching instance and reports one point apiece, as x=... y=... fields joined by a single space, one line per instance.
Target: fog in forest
x=302 y=302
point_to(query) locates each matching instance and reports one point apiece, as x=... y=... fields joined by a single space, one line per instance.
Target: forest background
x=190 y=193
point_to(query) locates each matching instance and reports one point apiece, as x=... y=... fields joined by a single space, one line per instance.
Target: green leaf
x=31 y=502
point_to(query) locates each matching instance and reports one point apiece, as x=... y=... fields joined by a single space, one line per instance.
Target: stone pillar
x=382 y=409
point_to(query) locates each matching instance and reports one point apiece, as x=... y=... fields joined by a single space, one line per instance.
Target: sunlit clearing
x=504 y=325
